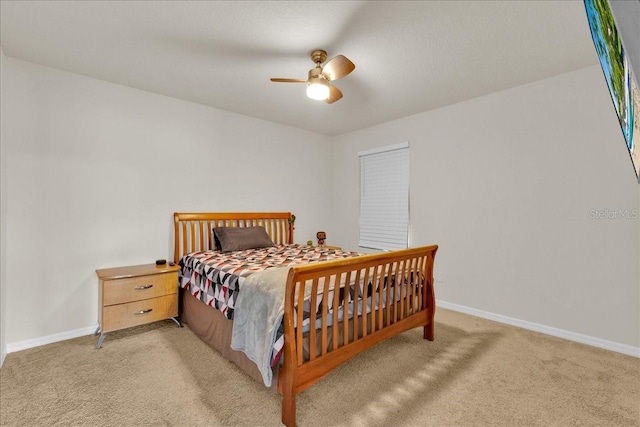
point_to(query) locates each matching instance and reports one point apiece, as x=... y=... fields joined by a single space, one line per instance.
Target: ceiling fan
x=318 y=86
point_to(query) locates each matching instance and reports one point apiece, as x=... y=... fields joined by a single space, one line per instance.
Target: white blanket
x=258 y=313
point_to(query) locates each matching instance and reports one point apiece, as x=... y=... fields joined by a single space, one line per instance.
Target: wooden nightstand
x=135 y=295
x=332 y=248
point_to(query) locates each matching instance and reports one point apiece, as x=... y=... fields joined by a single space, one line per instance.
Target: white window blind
x=384 y=197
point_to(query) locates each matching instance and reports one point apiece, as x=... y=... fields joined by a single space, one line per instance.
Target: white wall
x=510 y=186
x=95 y=170
x=3 y=224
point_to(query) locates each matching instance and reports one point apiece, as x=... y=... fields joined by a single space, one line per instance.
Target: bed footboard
x=378 y=296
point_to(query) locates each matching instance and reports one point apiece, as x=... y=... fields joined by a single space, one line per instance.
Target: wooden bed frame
x=412 y=304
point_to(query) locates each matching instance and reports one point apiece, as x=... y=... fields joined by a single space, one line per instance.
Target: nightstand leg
x=177 y=320
x=101 y=340
x=97 y=330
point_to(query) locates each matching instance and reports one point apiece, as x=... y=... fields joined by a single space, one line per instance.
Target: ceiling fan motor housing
x=318 y=56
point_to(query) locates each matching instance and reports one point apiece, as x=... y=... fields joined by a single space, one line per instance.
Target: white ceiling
x=410 y=56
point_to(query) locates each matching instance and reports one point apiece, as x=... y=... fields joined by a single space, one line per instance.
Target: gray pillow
x=240 y=238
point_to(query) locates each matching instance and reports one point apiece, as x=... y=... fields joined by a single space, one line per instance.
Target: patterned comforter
x=216 y=278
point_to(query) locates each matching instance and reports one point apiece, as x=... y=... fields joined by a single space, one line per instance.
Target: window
x=384 y=197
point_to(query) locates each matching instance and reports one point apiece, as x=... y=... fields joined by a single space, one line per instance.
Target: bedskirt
x=212 y=327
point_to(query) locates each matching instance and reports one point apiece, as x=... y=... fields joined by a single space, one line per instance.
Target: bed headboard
x=194 y=231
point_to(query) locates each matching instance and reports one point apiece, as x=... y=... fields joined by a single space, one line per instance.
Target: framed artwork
x=621 y=80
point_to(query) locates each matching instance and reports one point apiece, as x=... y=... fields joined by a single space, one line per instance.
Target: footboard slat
x=312 y=321
x=299 y=321
x=390 y=291
x=365 y=296
x=401 y=289
x=356 y=297
x=335 y=311
x=345 y=325
x=375 y=282
x=382 y=295
x=325 y=315
x=408 y=277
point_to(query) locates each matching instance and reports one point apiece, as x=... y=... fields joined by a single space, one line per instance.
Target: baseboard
x=560 y=333
x=3 y=354
x=62 y=336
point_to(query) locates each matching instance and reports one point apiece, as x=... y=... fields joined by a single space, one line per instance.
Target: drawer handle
x=142 y=288
x=148 y=310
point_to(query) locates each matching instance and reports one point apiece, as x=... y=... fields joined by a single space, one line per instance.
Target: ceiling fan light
x=318 y=88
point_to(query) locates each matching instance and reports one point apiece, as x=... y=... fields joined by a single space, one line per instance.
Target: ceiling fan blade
x=334 y=95
x=288 y=80
x=338 y=67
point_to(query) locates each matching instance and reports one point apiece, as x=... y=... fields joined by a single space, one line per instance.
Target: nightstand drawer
x=139 y=312
x=139 y=288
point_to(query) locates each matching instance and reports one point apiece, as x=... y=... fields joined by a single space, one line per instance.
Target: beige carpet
x=476 y=373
